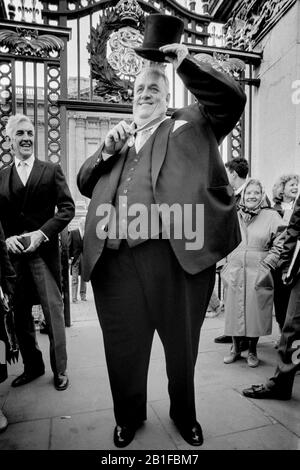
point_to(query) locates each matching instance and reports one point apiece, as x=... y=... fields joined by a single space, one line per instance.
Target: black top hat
x=160 y=30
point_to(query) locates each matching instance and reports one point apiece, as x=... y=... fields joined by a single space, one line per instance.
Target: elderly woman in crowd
x=285 y=192
x=7 y=283
x=247 y=274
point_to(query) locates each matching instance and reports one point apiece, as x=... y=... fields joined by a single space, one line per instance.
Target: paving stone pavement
x=81 y=418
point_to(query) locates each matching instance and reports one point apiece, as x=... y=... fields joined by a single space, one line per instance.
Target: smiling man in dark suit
x=147 y=283
x=35 y=205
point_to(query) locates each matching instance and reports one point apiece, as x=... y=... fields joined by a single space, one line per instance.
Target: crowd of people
x=158 y=160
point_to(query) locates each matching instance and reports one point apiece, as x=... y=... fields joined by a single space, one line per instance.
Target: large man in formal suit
x=280 y=386
x=158 y=281
x=75 y=243
x=35 y=205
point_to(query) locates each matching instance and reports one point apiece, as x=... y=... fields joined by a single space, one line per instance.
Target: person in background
x=237 y=171
x=7 y=285
x=75 y=255
x=35 y=206
x=247 y=278
x=280 y=386
x=285 y=192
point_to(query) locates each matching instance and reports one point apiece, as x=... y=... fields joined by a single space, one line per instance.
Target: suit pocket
x=231 y=274
x=264 y=279
x=182 y=128
x=223 y=193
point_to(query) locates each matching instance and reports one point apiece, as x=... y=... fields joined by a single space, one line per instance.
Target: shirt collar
x=29 y=161
x=80 y=231
x=240 y=189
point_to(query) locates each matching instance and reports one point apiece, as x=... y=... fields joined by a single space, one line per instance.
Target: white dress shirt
x=140 y=139
x=28 y=165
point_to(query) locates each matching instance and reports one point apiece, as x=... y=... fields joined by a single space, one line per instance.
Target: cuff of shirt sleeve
x=46 y=239
x=270 y=264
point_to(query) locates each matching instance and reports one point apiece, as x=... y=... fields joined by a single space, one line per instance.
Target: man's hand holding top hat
x=174 y=53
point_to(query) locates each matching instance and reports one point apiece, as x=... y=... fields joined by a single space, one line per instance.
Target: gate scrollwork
x=114 y=72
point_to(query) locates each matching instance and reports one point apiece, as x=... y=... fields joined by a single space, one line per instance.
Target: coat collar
x=159 y=149
x=32 y=183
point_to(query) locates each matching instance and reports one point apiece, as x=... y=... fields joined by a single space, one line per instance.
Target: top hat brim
x=154 y=55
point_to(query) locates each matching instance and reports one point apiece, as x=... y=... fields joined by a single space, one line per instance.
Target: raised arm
x=222 y=98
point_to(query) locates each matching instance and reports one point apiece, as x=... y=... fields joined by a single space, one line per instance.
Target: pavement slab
x=81 y=417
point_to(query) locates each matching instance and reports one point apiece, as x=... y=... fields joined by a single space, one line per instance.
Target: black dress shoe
x=27 y=377
x=223 y=339
x=262 y=391
x=192 y=434
x=123 y=435
x=61 y=381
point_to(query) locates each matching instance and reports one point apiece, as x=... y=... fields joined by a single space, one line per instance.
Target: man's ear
x=9 y=141
x=168 y=99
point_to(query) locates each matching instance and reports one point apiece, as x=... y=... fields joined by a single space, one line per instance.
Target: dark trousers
x=137 y=291
x=32 y=271
x=281 y=298
x=76 y=272
x=289 y=346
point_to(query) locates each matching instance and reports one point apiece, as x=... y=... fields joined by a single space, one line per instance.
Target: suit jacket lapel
x=33 y=180
x=159 y=149
x=5 y=191
x=117 y=170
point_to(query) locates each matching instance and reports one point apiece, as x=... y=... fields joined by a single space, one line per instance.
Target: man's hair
x=240 y=165
x=13 y=121
x=158 y=72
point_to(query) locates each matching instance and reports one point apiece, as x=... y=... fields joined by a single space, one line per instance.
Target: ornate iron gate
x=38 y=57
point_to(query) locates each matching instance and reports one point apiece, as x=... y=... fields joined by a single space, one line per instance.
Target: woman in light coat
x=247 y=274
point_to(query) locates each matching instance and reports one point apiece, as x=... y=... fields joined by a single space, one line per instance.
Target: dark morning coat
x=47 y=205
x=186 y=168
x=75 y=242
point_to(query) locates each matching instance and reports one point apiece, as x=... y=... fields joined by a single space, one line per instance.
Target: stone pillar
x=276 y=118
x=72 y=155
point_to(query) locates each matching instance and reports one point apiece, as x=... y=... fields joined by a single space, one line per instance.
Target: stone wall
x=276 y=119
x=86 y=131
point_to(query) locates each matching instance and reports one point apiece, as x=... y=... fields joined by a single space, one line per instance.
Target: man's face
x=151 y=98
x=231 y=177
x=23 y=140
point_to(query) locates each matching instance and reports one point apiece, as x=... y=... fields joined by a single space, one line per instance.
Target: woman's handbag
x=9 y=349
